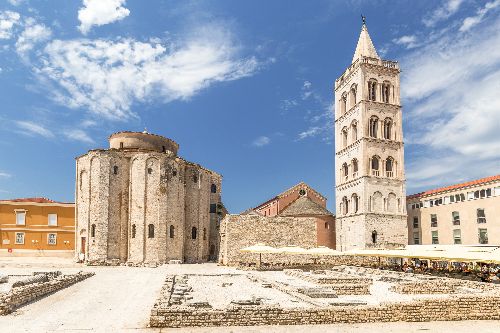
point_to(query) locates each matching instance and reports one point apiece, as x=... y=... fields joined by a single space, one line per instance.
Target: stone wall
x=239 y=231
x=451 y=309
x=25 y=294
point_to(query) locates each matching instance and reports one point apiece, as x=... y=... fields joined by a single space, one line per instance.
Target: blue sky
x=244 y=87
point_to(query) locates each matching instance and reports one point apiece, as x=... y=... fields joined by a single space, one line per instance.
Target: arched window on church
x=151 y=231
x=386 y=91
x=387 y=128
x=172 y=231
x=204 y=233
x=372 y=90
x=354 y=130
x=354 y=168
x=374 y=236
x=375 y=165
x=344 y=137
x=345 y=171
x=345 y=203
x=373 y=127
x=355 y=203
x=353 y=95
x=115 y=170
x=133 y=230
x=213 y=188
x=92 y=230
x=194 y=232
x=389 y=167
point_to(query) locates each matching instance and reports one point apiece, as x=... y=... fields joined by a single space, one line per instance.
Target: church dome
x=142 y=140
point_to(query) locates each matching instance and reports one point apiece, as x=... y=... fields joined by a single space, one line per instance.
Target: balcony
x=375 y=173
x=389 y=174
x=456 y=222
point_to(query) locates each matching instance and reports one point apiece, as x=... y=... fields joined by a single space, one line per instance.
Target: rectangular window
x=455 y=216
x=19 y=237
x=457 y=236
x=434 y=220
x=52 y=220
x=415 y=222
x=481 y=217
x=435 y=238
x=20 y=217
x=213 y=208
x=416 y=238
x=483 y=236
x=51 y=239
x=470 y=195
x=452 y=198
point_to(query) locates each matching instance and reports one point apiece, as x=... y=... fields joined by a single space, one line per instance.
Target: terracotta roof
x=34 y=200
x=455 y=187
x=304 y=206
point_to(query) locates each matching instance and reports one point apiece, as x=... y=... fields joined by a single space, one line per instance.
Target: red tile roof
x=35 y=200
x=455 y=187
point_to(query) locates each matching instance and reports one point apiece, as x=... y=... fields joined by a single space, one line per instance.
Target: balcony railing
x=481 y=220
x=375 y=173
x=389 y=174
x=456 y=222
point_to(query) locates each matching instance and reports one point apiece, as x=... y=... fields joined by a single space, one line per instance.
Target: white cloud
x=15 y=2
x=78 y=135
x=107 y=77
x=100 y=12
x=408 y=41
x=443 y=12
x=5 y=174
x=450 y=90
x=472 y=21
x=32 y=34
x=261 y=141
x=8 y=20
x=310 y=132
x=30 y=128
x=306 y=90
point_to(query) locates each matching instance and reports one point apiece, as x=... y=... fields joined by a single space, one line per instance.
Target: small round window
x=302 y=192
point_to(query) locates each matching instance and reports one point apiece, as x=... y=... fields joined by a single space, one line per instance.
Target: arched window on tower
x=92 y=230
x=387 y=128
x=343 y=104
x=172 y=231
x=345 y=203
x=375 y=166
x=354 y=168
x=194 y=232
x=344 y=137
x=374 y=236
x=133 y=230
x=372 y=90
x=204 y=233
x=389 y=167
x=355 y=203
x=386 y=91
x=213 y=188
x=345 y=171
x=353 y=95
x=151 y=231
x=354 y=129
x=373 y=127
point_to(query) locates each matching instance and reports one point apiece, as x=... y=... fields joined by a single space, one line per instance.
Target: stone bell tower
x=369 y=153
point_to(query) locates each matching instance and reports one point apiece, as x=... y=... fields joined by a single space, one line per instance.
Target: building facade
x=303 y=201
x=369 y=152
x=37 y=226
x=466 y=213
x=138 y=202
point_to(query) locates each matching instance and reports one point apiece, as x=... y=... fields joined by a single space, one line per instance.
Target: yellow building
x=36 y=226
x=466 y=213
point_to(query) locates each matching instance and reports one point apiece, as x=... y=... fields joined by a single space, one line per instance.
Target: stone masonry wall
x=25 y=294
x=239 y=231
x=452 y=309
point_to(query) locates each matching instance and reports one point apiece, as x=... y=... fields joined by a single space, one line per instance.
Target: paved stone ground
x=119 y=299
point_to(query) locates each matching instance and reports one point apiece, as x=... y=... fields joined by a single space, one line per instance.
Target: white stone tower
x=369 y=155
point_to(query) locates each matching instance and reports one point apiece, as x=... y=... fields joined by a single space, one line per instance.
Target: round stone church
x=138 y=202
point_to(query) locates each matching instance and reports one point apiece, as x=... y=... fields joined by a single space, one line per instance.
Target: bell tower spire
x=365 y=47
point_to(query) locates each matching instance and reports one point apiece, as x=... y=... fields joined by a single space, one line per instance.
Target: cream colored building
x=466 y=213
x=369 y=154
